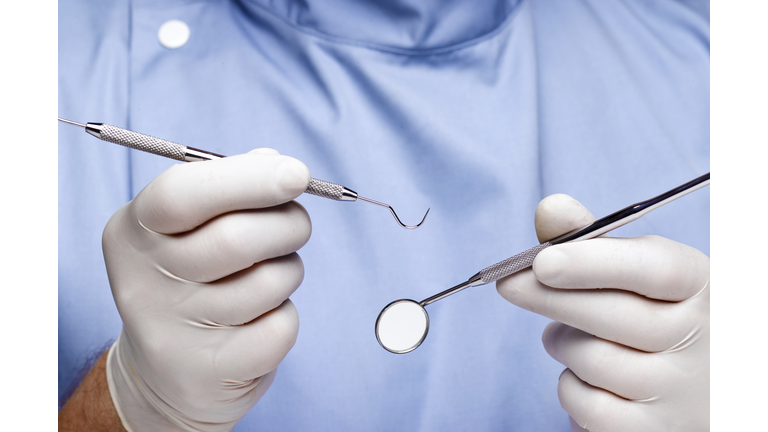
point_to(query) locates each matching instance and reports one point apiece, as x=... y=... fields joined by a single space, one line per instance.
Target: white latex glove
x=632 y=324
x=201 y=264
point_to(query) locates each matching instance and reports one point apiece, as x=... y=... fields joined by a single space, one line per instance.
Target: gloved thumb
x=559 y=214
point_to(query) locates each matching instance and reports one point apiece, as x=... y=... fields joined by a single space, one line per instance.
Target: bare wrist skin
x=90 y=407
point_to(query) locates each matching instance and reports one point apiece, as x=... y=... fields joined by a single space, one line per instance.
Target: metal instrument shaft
x=524 y=259
x=170 y=149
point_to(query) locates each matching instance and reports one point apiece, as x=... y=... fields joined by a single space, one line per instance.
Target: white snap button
x=173 y=34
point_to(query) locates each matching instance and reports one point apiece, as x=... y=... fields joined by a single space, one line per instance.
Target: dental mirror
x=402 y=326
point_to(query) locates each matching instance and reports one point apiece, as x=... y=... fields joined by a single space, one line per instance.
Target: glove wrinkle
x=148 y=229
x=650 y=399
x=688 y=341
x=700 y=292
x=206 y=323
x=167 y=273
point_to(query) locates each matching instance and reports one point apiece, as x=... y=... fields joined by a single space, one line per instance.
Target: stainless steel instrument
x=184 y=153
x=395 y=337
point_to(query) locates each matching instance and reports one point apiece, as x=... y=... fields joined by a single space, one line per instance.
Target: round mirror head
x=402 y=326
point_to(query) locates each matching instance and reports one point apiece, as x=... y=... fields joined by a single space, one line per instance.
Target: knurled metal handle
x=521 y=261
x=143 y=142
x=325 y=189
x=180 y=152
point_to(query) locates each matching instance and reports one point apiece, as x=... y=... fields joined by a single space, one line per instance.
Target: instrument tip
x=409 y=226
x=393 y=212
x=70 y=122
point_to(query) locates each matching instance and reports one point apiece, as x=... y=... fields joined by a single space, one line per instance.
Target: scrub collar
x=417 y=25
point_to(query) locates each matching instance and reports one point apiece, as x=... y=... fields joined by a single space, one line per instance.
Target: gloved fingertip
x=547 y=334
x=549 y=266
x=558 y=214
x=293 y=176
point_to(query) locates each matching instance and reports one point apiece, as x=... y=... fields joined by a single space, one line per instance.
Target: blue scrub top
x=477 y=109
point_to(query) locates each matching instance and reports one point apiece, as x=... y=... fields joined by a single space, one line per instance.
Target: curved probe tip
x=408 y=226
x=393 y=212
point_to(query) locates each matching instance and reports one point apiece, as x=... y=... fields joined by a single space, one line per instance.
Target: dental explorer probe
x=403 y=324
x=184 y=153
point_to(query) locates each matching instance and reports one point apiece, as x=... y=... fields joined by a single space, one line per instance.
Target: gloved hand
x=201 y=264
x=632 y=324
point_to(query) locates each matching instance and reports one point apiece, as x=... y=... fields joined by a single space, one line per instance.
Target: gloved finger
x=651 y=266
x=246 y=394
x=618 y=316
x=559 y=214
x=185 y=196
x=246 y=295
x=265 y=150
x=233 y=242
x=624 y=371
x=595 y=409
x=257 y=347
